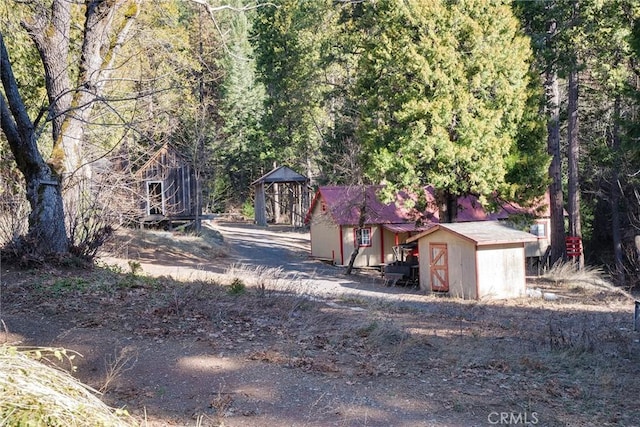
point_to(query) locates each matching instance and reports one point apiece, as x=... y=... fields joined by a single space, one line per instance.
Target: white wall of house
x=541 y=228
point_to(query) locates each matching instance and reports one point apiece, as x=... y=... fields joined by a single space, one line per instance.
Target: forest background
x=472 y=97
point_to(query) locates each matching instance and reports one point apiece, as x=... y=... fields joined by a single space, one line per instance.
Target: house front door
x=438 y=267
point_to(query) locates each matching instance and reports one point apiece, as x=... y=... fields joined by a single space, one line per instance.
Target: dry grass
x=269 y=281
x=589 y=278
x=141 y=244
x=117 y=365
x=36 y=394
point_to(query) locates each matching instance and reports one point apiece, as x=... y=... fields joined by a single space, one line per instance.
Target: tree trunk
x=352 y=259
x=47 y=233
x=556 y=210
x=69 y=110
x=70 y=105
x=447 y=206
x=573 y=157
x=616 y=232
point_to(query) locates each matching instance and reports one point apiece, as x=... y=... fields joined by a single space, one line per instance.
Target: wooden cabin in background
x=167 y=187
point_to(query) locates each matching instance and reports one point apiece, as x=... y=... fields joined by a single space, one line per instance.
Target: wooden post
x=276 y=203
x=260 y=209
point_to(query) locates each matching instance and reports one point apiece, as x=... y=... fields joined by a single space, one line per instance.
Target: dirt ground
x=231 y=343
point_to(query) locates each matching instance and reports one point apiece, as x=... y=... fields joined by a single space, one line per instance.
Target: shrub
x=247 y=209
x=237 y=287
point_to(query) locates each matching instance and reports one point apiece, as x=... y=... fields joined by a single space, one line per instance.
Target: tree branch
x=19 y=113
x=211 y=10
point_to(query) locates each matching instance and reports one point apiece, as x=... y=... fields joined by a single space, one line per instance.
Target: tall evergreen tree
x=611 y=69
x=241 y=112
x=287 y=46
x=443 y=107
x=546 y=24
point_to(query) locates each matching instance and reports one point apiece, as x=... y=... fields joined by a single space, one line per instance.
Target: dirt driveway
x=288 y=250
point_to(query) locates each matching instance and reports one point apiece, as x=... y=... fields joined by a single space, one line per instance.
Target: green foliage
x=68 y=284
x=445 y=108
x=248 y=210
x=241 y=111
x=135 y=267
x=287 y=47
x=527 y=163
x=237 y=287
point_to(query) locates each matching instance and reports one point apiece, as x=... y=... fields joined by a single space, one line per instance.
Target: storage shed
x=473 y=260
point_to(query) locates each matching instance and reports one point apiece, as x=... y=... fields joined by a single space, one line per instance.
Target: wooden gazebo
x=281 y=197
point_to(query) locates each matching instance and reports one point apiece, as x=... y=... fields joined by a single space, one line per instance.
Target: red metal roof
x=470 y=209
x=344 y=202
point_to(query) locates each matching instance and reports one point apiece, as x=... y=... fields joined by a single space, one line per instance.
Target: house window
x=539 y=230
x=363 y=236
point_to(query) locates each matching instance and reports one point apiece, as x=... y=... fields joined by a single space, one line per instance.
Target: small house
x=167 y=187
x=473 y=260
x=334 y=219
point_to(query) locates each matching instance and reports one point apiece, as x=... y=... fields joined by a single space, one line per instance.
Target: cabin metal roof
x=481 y=233
x=344 y=204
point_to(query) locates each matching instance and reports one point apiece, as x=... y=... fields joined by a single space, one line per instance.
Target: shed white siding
x=484 y=260
x=502 y=271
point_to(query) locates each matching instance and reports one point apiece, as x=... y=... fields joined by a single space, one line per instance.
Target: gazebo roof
x=280 y=174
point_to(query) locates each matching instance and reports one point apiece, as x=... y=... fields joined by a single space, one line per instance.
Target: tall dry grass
x=33 y=393
x=589 y=277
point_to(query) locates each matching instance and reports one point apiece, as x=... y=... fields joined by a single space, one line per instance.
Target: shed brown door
x=438 y=267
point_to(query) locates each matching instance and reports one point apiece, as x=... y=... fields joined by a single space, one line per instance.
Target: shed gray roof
x=281 y=174
x=481 y=232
